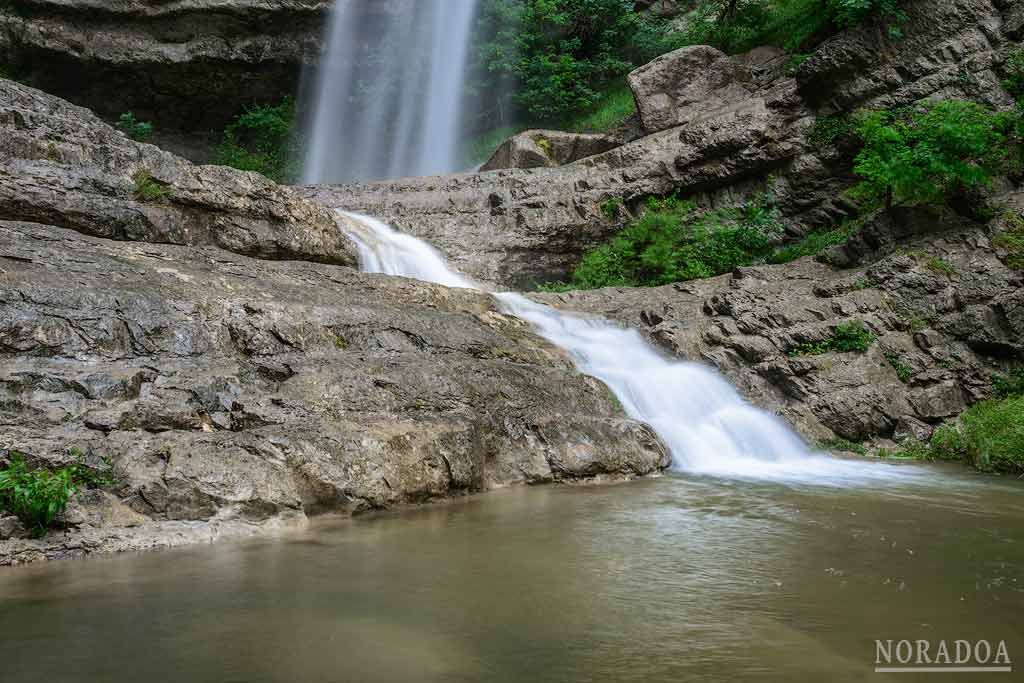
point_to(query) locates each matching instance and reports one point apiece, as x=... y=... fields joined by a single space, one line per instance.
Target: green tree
x=262 y=139
x=927 y=154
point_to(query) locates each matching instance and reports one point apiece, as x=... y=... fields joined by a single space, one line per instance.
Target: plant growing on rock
x=36 y=496
x=847 y=337
x=925 y=155
x=140 y=131
x=147 y=188
x=262 y=139
x=675 y=241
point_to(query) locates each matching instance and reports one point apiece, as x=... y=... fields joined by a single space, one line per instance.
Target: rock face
x=61 y=165
x=727 y=127
x=946 y=312
x=540 y=148
x=232 y=389
x=186 y=64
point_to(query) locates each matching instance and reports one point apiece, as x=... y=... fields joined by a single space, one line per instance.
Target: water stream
x=388 y=90
x=704 y=422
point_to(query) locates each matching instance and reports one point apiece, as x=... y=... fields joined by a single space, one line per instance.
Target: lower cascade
x=706 y=425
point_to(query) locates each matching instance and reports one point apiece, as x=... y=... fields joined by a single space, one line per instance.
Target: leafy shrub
x=947 y=443
x=611 y=207
x=262 y=139
x=845 y=338
x=994 y=434
x=924 y=155
x=1014 y=68
x=147 y=188
x=37 y=497
x=675 y=241
x=140 y=131
x=1011 y=385
x=828 y=130
x=613 y=105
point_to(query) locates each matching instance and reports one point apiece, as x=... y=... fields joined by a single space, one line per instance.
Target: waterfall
x=704 y=422
x=388 y=90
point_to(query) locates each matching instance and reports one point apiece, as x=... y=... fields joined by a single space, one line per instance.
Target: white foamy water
x=704 y=422
x=388 y=90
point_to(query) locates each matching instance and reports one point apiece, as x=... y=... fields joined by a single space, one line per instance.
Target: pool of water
x=670 y=579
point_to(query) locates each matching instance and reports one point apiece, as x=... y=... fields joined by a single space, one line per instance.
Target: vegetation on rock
x=140 y=131
x=36 y=496
x=674 y=240
x=262 y=139
x=147 y=188
x=845 y=338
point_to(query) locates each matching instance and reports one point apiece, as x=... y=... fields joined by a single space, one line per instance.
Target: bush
x=675 y=241
x=1014 y=68
x=845 y=338
x=994 y=435
x=140 y=131
x=947 y=444
x=37 y=497
x=262 y=139
x=925 y=155
x=1011 y=238
x=814 y=243
x=1011 y=385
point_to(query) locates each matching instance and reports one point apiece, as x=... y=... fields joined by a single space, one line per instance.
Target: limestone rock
x=540 y=148
x=11 y=528
x=61 y=165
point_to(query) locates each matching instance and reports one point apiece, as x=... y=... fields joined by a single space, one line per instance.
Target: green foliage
x=903 y=371
x=37 y=497
x=947 y=444
x=140 y=131
x=829 y=130
x=842 y=445
x=262 y=139
x=814 y=243
x=675 y=241
x=480 y=148
x=559 y=55
x=1012 y=240
x=611 y=207
x=1014 y=69
x=845 y=338
x=1009 y=386
x=147 y=188
x=924 y=155
x=994 y=433
x=613 y=105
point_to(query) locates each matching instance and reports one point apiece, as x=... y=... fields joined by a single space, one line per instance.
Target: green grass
x=815 y=243
x=842 y=445
x=994 y=435
x=147 y=188
x=1011 y=385
x=611 y=207
x=850 y=337
x=613 y=107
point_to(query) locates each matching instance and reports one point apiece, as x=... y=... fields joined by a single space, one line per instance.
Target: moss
x=340 y=342
x=544 y=144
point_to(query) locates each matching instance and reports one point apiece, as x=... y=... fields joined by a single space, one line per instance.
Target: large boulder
x=541 y=148
x=61 y=165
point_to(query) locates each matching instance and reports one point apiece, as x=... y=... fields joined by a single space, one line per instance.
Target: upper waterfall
x=388 y=90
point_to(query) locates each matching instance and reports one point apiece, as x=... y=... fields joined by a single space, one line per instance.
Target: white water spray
x=388 y=90
x=704 y=422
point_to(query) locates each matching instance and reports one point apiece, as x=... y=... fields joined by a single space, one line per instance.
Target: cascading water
x=388 y=91
x=706 y=425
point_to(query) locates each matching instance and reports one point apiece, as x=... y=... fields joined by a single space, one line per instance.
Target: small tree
x=928 y=154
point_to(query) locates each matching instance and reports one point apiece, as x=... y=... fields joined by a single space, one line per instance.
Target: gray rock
x=61 y=165
x=540 y=148
x=11 y=528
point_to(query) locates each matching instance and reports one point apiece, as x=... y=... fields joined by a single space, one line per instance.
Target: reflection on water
x=668 y=579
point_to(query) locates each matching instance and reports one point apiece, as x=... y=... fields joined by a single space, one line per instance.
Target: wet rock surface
x=943 y=308
x=231 y=389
